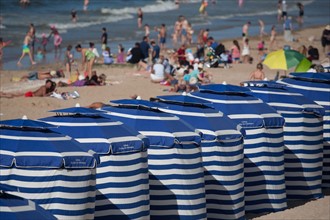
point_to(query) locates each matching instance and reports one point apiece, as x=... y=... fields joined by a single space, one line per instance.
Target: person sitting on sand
x=258 y=74
x=43 y=91
x=43 y=75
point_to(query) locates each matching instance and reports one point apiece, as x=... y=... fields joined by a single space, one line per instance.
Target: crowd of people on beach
x=184 y=66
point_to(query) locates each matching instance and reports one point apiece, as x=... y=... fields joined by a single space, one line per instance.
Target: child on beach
x=44 y=41
x=258 y=74
x=121 y=54
x=40 y=54
x=68 y=59
x=26 y=48
x=57 y=41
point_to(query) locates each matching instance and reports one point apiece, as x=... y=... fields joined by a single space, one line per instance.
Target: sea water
x=225 y=20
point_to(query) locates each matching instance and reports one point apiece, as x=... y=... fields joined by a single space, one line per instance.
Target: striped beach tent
x=315 y=86
x=176 y=175
x=17 y=208
x=122 y=179
x=48 y=168
x=263 y=144
x=303 y=137
x=222 y=154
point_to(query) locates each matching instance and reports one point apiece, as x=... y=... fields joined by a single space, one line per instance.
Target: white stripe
x=126 y=179
x=171 y=151
x=167 y=162
x=223 y=158
x=178 y=212
x=168 y=134
x=222 y=149
x=303 y=156
x=143 y=117
x=76 y=217
x=121 y=157
x=220 y=132
x=265 y=167
x=107 y=140
x=263 y=149
x=276 y=93
x=266 y=195
x=306 y=87
x=166 y=202
x=114 y=191
x=261 y=116
x=29 y=138
x=71 y=207
x=229 y=101
x=86 y=124
x=49 y=195
x=182 y=182
x=223 y=206
x=118 y=201
x=303 y=119
x=196 y=114
x=45 y=154
x=264 y=130
x=323 y=103
x=225 y=168
x=48 y=172
x=263 y=140
x=121 y=169
x=66 y=184
x=251 y=208
x=288 y=128
x=290 y=105
x=304 y=137
x=224 y=178
x=304 y=174
x=305 y=147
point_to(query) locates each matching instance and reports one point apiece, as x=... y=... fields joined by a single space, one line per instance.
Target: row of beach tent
x=222 y=152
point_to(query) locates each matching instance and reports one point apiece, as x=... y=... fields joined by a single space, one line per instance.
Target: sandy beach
x=125 y=81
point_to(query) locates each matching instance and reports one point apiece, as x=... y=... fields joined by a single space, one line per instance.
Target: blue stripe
x=177 y=207
x=122 y=174
x=121 y=206
x=177 y=166
x=223 y=173
x=223 y=163
x=174 y=156
x=123 y=163
x=177 y=187
x=171 y=196
x=225 y=182
x=121 y=194
x=65 y=201
x=122 y=184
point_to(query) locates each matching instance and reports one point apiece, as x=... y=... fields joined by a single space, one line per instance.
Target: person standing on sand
x=273 y=42
x=245 y=30
x=26 y=49
x=235 y=52
x=162 y=36
x=104 y=38
x=87 y=59
x=279 y=10
x=139 y=17
x=74 y=16
x=262 y=32
x=258 y=74
x=32 y=30
x=301 y=13
x=325 y=39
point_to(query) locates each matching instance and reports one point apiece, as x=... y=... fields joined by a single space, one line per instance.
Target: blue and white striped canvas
x=315 y=86
x=222 y=154
x=50 y=169
x=176 y=175
x=303 y=137
x=263 y=144
x=122 y=179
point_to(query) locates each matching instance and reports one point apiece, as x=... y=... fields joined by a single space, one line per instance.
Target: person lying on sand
x=96 y=105
x=42 y=91
x=43 y=75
